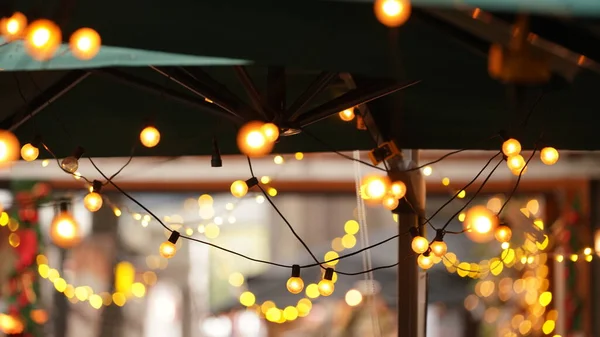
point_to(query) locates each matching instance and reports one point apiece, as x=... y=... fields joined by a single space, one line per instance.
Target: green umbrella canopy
x=455 y=105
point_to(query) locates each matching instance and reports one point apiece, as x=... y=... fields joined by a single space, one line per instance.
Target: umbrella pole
x=412 y=287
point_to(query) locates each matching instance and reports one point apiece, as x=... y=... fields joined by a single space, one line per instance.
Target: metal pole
x=412 y=287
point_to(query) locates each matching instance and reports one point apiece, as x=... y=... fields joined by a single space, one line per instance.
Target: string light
x=438 y=246
x=239 y=188
x=13 y=28
x=326 y=286
x=64 y=230
x=511 y=147
x=168 y=249
x=503 y=233
x=150 y=137
x=390 y=202
x=549 y=155
x=271 y=132
x=85 y=43
x=419 y=244
x=392 y=13
x=347 y=115
x=295 y=285
x=376 y=187
x=479 y=223
x=9 y=148
x=425 y=261
x=71 y=164
x=29 y=152
x=93 y=200
x=42 y=39
x=254 y=139
x=515 y=162
x=398 y=189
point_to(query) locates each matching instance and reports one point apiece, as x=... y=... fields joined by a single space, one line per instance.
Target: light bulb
x=42 y=39
x=252 y=141
x=549 y=155
x=295 y=284
x=168 y=248
x=29 y=152
x=347 y=115
x=326 y=285
x=480 y=223
x=9 y=148
x=425 y=262
x=398 y=189
x=519 y=172
x=271 y=131
x=392 y=13
x=14 y=27
x=85 y=43
x=515 y=162
x=390 y=202
x=150 y=137
x=439 y=248
x=511 y=147
x=419 y=244
x=239 y=188
x=503 y=233
x=70 y=164
x=64 y=230
x=376 y=187
x=92 y=201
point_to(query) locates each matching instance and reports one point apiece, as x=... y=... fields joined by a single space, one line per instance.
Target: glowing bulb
x=419 y=244
x=511 y=147
x=13 y=28
x=85 y=43
x=92 y=201
x=70 y=164
x=479 y=224
x=427 y=171
x=64 y=231
x=42 y=39
x=503 y=234
x=326 y=287
x=253 y=141
x=347 y=115
x=239 y=188
x=515 y=162
x=439 y=248
x=29 y=152
x=167 y=249
x=271 y=131
x=425 y=262
x=519 y=172
x=398 y=189
x=549 y=156
x=295 y=285
x=150 y=137
x=390 y=202
x=392 y=13
x=376 y=187
x=9 y=148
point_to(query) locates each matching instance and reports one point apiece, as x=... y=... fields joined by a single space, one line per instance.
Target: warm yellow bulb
x=392 y=13
x=480 y=223
x=326 y=287
x=376 y=187
x=511 y=147
x=425 y=262
x=239 y=188
x=29 y=152
x=253 y=141
x=390 y=202
x=167 y=249
x=439 y=248
x=150 y=137
x=271 y=132
x=519 y=172
x=398 y=189
x=9 y=148
x=419 y=244
x=42 y=39
x=85 y=43
x=503 y=233
x=549 y=155
x=64 y=231
x=347 y=115
x=515 y=162
x=14 y=27
x=92 y=201
x=295 y=285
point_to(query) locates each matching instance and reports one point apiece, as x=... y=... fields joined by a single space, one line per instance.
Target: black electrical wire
x=472 y=197
x=512 y=193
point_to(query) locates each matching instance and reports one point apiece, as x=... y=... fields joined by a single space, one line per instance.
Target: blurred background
x=115 y=283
